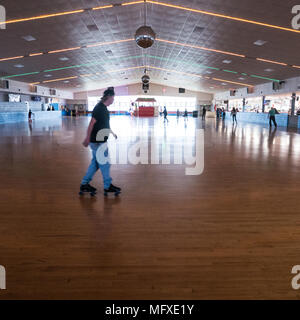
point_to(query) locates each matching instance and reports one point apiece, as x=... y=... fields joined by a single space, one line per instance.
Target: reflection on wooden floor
x=232 y=232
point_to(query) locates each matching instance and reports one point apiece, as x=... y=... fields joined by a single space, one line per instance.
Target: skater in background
x=185 y=114
x=272 y=113
x=30 y=114
x=233 y=114
x=99 y=121
x=203 y=113
x=223 y=114
x=165 y=112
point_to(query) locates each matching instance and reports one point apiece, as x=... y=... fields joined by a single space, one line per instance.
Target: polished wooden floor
x=231 y=233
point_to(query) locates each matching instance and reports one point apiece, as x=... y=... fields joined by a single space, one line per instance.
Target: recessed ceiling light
x=212 y=87
x=67 y=81
x=260 y=42
x=224 y=84
x=78 y=86
x=19 y=66
x=227 y=61
x=92 y=27
x=109 y=52
x=198 y=29
x=29 y=38
x=48 y=75
x=241 y=78
x=208 y=71
x=269 y=70
x=63 y=59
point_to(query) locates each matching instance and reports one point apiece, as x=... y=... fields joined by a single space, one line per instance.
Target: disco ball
x=145 y=37
x=145 y=79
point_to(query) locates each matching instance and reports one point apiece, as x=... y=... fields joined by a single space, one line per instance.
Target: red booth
x=145 y=107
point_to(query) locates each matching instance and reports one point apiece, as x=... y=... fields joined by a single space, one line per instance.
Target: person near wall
x=30 y=114
x=165 y=112
x=233 y=114
x=272 y=113
x=223 y=114
x=203 y=113
x=185 y=114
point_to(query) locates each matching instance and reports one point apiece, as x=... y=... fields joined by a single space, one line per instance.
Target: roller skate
x=87 y=188
x=112 y=189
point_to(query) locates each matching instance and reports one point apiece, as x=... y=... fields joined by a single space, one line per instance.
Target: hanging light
x=145 y=79
x=145 y=36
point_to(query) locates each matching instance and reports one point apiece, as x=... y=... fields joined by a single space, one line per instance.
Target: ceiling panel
x=120 y=23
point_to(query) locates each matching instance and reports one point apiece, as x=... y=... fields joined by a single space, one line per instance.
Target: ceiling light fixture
x=44 y=16
x=103 y=7
x=11 y=58
x=145 y=36
x=223 y=16
x=157 y=3
x=271 y=61
x=20 y=75
x=29 y=38
x=63 y=50
x=36 y=54
x=260 y=42
x=61 y=79
x=131 y=3
x=233 y=82
x=63 y=59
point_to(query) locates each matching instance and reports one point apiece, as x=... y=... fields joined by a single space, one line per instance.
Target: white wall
x=24 y=88
x=291 y=85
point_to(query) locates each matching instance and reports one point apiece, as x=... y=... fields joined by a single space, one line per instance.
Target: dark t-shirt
x=101 y=114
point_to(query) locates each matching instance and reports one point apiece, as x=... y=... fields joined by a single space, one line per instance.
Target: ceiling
x=185 y=54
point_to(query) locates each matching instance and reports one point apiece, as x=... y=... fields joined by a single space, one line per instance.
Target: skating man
x=98 y=124
x=272 y=113
x=203 y=113
x=165 y=114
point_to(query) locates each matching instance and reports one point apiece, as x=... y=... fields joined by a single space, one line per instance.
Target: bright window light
x=124 y=103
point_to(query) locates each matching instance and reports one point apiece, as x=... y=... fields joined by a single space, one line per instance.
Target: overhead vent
x=92 y=27
x=198 y=30
x=109 y=53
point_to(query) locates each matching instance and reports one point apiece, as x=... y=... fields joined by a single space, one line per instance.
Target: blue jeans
x=94 y=166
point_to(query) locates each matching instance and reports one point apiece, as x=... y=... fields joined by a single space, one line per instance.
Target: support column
x=244 y=101
x=263 y=104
